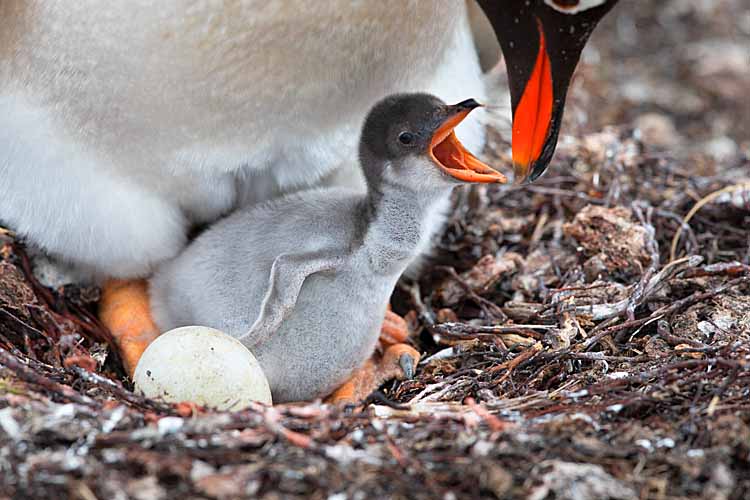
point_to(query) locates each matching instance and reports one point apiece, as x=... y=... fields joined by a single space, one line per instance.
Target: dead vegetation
x=584 y=337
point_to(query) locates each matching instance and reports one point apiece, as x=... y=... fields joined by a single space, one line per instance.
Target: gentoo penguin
x=125 y=123
x=304 y=281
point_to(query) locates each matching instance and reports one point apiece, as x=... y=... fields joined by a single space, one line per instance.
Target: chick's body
x=304 y=281
x=221 y=279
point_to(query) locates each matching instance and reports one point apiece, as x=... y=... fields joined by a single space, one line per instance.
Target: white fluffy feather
x=124 y=122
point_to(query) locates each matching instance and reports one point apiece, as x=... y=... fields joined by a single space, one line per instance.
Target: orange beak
x=453 y=158
x=533 y=116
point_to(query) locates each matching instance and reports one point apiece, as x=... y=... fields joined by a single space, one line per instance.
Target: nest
x=584 y=337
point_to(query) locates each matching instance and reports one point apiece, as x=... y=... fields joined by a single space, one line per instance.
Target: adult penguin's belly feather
x=133 y=119
x=209 y=84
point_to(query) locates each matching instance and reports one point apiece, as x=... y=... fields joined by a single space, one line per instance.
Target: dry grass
x=570 y=352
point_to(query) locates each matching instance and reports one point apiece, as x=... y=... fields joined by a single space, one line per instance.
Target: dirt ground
x=586 y=337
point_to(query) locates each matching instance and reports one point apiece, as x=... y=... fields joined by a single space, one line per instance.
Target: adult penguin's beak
x=542 y=42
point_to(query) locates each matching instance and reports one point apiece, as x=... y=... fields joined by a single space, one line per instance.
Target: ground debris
x=485 y=273
x=573 y=481
x=609 y=241
x=586 y=336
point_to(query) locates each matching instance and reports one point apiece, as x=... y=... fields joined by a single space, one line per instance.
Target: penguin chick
x=304 y=281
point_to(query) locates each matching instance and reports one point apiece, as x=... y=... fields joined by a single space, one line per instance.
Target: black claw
x=407 y=365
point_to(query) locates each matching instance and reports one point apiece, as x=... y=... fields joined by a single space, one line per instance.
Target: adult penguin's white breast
x=178 y=78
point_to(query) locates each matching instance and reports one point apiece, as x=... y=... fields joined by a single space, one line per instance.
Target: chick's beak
x=452 y=157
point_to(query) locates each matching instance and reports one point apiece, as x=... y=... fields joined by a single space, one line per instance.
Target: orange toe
x=399 y=361
x=394 y=329
x=125 y=309
x=351 y=391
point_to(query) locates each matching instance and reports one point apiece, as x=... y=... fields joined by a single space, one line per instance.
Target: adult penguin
x=125 y=123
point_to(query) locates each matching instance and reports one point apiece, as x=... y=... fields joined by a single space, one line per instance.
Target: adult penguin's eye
x=406 y=138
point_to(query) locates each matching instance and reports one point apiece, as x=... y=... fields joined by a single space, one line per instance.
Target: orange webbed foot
x=397 y=361
x=125 y=309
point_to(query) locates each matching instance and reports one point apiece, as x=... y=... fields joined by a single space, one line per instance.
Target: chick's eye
x=406 y=138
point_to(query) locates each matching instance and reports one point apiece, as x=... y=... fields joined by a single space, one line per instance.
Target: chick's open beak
x=452 y=157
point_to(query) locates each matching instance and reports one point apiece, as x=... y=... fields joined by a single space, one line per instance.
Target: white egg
x=202 y=365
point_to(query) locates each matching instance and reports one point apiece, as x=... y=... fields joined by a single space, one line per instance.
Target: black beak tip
x=542 y=163
x=468 y=104
x=536 y=171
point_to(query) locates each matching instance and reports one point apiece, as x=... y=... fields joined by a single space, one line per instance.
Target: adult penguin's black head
x=542 y=42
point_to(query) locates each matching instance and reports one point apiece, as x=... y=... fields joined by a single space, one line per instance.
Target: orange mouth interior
x=455 y=160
